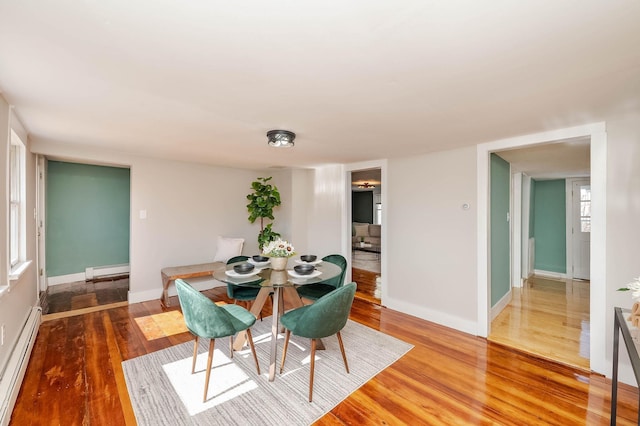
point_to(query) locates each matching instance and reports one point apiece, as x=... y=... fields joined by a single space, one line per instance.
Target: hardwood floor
x=85 y=294
x=449 y=378
x=368 y=286
x=548 y=318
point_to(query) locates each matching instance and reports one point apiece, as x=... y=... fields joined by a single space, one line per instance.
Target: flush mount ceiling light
x=281 y=138
x=366 y=185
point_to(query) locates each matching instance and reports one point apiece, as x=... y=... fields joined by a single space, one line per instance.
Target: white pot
x=279 y=263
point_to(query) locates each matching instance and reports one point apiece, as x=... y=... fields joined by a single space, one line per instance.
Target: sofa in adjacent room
x=368 y=231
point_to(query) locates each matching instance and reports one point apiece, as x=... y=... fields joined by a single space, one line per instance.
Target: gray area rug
x=164 y=392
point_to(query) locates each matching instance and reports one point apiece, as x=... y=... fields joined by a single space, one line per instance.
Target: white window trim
x=19 y=264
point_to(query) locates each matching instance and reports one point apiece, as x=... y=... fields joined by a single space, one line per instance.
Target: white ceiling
x=358 y=80
x=571 y=158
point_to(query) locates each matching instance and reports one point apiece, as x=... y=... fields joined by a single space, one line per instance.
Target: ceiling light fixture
x=281 y=138
x=366 y=185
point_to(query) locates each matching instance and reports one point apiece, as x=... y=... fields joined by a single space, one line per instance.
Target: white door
x=40 y=228
x=581 y=236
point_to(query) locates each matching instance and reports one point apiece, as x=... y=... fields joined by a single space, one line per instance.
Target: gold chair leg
x=209 y=361
x=313 y=365
x=344 y=355
x=284 y=349
x=195 y=356
x=231 y=346
x=253 y=349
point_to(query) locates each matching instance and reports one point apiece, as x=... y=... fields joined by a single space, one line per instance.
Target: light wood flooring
x=75 y=376
x=548 y=318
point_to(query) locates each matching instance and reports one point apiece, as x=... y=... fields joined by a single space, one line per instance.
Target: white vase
x=279 y=263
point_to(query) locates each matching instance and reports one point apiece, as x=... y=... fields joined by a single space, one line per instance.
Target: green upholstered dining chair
x=245 y=293
x=317 y=290
x=326 y=317
x=207 y=320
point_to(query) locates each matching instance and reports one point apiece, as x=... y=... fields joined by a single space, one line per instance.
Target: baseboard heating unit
x=11 y=377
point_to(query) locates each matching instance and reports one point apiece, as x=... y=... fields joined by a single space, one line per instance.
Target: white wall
x=429 y=230
x=16 y=304
x=187 y=205
x=623 y=224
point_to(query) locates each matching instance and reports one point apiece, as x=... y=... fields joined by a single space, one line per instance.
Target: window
x=585 y=208
x=17 y=249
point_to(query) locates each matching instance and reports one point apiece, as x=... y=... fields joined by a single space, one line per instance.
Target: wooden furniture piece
x=170 y=274
x=631 y=337
x=281 y=285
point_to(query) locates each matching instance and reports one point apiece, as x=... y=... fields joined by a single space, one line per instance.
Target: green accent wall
x=500 y=265
x=362 y=206
x=87 y=224
x=549 y=218
x=532 y=205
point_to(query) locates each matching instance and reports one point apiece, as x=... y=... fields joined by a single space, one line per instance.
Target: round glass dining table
x=282 y=284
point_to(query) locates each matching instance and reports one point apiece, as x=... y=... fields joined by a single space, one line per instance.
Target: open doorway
x=546 y=310
x=83 y=236
x=366 y=233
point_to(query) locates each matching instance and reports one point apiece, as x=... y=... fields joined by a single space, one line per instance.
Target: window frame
x=17 y=202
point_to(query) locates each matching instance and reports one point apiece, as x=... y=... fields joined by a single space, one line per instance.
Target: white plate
x=253 y=262
x=314 y=274
x=315 y=262
x=234 y=274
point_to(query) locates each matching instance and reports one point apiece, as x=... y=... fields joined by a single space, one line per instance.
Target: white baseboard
x=457 y=323
x=549 y=274
x=89 y=274
x=501 y=304
x=64 y=279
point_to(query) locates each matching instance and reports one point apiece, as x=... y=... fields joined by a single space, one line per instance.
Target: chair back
x=235 y=259
x=340 y=261
x=203 y=317
x=327 y=315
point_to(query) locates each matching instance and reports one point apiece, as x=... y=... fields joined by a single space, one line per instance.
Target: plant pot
x=279 y=263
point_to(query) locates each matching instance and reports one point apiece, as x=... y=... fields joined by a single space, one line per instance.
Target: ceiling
x=366 y=177
x=356 y=81
x=570 y=158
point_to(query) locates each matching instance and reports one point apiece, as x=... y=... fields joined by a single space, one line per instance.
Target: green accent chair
x=246 y=293
x=207 y=320
x=326 y=317
x=317 y=290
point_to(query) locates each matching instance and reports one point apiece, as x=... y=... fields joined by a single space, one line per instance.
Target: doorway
x=597 y=306
x=545 y=311
x=83 y=242
x=366 y=235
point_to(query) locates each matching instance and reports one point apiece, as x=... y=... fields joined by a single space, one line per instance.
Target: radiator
x=11 y=379
x=105 y=271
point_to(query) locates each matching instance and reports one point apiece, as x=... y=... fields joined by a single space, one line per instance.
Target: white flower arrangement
x=634 y=287
x=278 y=248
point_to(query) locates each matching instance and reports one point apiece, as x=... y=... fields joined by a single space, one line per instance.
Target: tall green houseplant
x=262 y=201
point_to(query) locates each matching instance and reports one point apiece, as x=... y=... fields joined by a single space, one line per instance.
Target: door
x=581 y=228
x=40 y=219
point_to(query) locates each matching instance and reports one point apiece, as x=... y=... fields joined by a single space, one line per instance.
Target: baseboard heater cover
x=11 y=378
x=105 y=271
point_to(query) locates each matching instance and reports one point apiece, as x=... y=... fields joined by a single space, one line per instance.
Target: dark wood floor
x=84 y=294
x=449 y=378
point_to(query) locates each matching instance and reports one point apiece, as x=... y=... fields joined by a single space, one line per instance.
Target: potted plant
x=279 y=251
x=262 y=201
